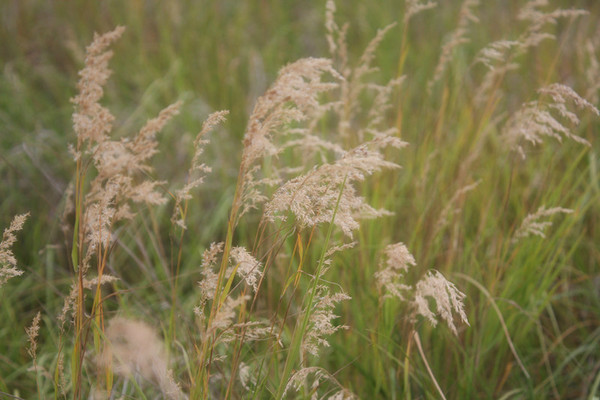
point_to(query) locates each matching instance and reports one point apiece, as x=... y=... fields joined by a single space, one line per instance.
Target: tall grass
x=412 y=215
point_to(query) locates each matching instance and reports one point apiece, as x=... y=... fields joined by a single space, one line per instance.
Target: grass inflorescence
x=379 y=202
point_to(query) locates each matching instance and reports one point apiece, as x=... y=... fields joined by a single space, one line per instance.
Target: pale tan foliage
x=447 y=297
x=8 y=262
x=134 y=350
x=532 y=225
x=543 y=118
x=320 y=322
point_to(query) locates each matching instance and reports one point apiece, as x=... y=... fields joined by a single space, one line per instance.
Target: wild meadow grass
x=393 y=200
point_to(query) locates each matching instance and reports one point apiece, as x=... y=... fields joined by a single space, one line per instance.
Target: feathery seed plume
x=532 y=226
x=133 y=349
x=8 y=262
x=446 y=296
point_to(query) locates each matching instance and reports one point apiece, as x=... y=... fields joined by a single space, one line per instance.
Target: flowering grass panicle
x=355 y=84
x=133 y=350
x=453 y=207
x=313 y=197
x=397 y=262
x=208 y=284
x=532 y=225
x=321 y=321
x=499 y=56
x=91 y=121
x=8 y=262
x=197 y=170
x=118 y=163
x=300 y=379
x=447 y=297
x=292 y=97
x=592 y=71
x=544 y=118
x=32 y=333
x=247 y=266
x=413 y=7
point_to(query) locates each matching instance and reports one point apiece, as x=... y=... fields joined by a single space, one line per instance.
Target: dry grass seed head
x=8 y=262
x=300 y=378
x=91 y=121
x=292 y=97
x=247 y=266
x=499 y=56
x=447 y=297
x=413 y=7
x=532 y=225
x=544 y=118
x=391 y=274
x=134 y=349
x=198 y=169
x=321 y=321
x=32 y=334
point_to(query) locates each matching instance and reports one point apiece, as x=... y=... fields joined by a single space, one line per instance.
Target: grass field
x=282 y=199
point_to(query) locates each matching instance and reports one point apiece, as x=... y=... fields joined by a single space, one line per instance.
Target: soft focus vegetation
x=392 y=199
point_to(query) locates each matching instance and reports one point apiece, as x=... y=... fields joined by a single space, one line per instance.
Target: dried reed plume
x=391 y=274
x=413 y=7
x=134 y=350
x=293 y=96
x=198 y=169
x=8 y=262
x=541 y=118
x=448 y=299
x=320 y=375
x=32 y=333
x=499 y=56
x=531 y=225
x=321 y=321
x=312 y=198
x=118 y=163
